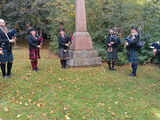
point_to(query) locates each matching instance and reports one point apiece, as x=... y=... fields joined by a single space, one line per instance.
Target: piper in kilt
x=34 y=48
x=156 y=50
x=63 y=42
x=112 y=44
x=5 y=50
x=131 y=45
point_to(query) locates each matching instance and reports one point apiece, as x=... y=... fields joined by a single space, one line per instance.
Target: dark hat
x=134 y=27
x=110 y=28
x=32 y=29
x=62 y=30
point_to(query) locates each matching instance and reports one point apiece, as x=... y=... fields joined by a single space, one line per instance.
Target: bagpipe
x=139 y=45
x=155 y=45
x=69 y=32
x=114 y=38
x=39 y=34
x=12 y=33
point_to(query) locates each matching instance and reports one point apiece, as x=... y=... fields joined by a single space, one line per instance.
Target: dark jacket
x=4 y=42
x=133 y=44
x=62 y=41
x=32 y=41
x=113 y=38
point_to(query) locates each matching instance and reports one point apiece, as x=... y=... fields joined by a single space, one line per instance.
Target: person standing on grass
x=112 y=45
x=131 y=45
x=5 y=50
x=34 y=48
x=64 y=43
x=156 y=51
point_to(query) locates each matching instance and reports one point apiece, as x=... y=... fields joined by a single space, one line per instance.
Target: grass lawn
x=92 y=93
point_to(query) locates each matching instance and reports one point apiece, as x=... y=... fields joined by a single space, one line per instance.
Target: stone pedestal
x=83 y=58
x=81 y=41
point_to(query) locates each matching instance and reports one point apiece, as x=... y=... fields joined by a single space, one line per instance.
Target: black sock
x=65 y=63
x=135 y=68
x=132 y=68
x=113 y=63
x=3 y=68
x=109 y=64
x=62 y=62
x=9 y=67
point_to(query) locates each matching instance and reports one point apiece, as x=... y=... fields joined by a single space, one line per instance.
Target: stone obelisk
x=81 y=38
x=81 y=50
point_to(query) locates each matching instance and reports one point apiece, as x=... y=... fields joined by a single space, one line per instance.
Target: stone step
x=83 y=54
x=78 y=62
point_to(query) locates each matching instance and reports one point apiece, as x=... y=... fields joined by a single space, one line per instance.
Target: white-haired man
x=6 y=55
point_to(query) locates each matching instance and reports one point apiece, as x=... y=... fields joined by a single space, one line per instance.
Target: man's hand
x=66 y=45
x=154 y=51
x=126 y=44
x=39 y=46
x=13 y=40
x=112 y=42
x=1 y=52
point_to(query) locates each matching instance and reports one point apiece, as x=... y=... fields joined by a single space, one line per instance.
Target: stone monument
x=81 y=51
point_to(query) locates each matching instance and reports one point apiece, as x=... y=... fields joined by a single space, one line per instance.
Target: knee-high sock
x=135 y=65
x=109 y=64
x=35 y=63
x=65 y=63
x=132 y=68
x=3 y=68
x=113 y=63
x=9 y=67
x=32 y=63
x=61 y=62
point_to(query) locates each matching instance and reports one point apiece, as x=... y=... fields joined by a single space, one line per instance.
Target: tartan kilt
x=112 y=55
x=63 y=54
x=7 y=57
x=34 y=54
x=133 y=56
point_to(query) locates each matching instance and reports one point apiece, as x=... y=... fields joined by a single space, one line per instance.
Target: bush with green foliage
x=46 y=15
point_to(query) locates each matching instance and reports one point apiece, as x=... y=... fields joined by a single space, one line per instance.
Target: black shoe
x=10 y=75
x=132 y=75
x=5 y=76
x=36 y=69
x=112 y=69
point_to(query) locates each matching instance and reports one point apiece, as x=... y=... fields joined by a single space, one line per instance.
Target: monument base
x=83 y=58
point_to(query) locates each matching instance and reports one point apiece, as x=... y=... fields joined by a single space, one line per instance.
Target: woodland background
x=46 y=15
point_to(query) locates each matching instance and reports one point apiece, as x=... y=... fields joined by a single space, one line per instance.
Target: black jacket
x=32 y=41
x=133 y=44
x=62 y=41
x=4 y=42
x=113 y=38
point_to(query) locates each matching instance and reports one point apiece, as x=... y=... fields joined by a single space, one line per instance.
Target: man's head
x=2 y=23
x=111 y=31
x=33 y=31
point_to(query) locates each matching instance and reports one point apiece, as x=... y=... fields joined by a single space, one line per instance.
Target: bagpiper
x=64 y=43
x=6 y=55
x=34 y=48
x=112 y=43
x=131 y=45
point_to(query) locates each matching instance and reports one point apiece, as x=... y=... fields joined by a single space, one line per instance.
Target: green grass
x=92 y=93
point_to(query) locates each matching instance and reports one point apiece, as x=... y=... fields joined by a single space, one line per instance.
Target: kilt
x=112 y=55
x=133 y=56
x=7 y=57
x=34 y=54
x=63 y=54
